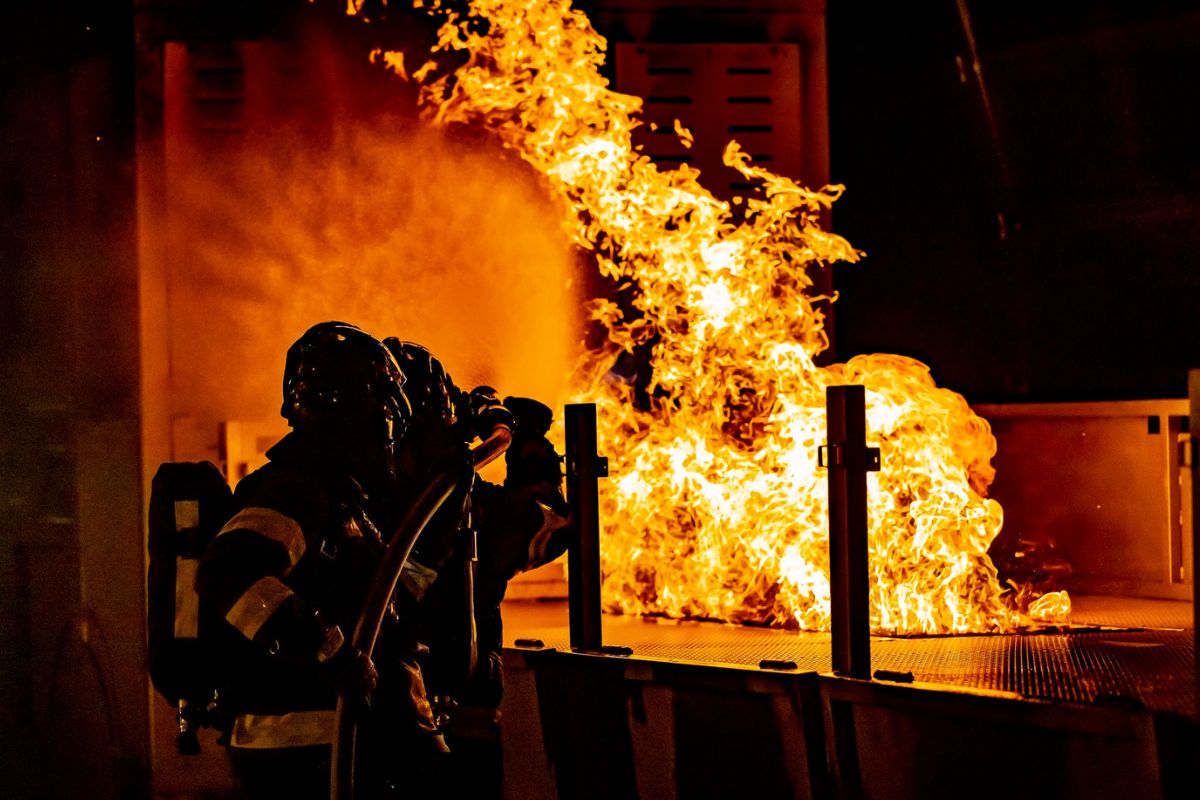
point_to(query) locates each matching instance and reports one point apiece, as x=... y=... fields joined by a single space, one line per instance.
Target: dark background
x=1055 y=260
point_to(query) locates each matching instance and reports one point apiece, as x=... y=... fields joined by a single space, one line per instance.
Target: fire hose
x=366 y=632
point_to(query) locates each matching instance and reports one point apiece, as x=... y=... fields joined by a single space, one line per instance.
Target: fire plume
x=716 y=507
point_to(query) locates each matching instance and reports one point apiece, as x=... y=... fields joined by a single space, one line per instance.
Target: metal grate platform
x=1126 y=651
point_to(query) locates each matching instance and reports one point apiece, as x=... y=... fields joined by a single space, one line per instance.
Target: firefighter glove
x=533 y=418
x=531 y=458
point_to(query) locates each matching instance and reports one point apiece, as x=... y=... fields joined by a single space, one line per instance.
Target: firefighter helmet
x=433 y=394
x=340 y=379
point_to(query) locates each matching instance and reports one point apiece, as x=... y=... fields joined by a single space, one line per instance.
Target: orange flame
x=716 y=507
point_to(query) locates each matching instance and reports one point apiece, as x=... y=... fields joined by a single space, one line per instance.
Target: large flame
x=716 y=507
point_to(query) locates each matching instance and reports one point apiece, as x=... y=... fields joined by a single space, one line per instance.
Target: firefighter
x=503 y=530
x=290 y=570
x=522 y=524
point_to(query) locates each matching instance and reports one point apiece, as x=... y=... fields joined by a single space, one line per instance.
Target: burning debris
x=717 y=508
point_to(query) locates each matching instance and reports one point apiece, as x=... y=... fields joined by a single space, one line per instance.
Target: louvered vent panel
x=218 y=89
x=747 y=92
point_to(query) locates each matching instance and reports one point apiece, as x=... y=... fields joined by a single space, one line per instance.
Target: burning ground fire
x=716 y=507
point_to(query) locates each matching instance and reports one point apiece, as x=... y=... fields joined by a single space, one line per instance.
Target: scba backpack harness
x=189 y=503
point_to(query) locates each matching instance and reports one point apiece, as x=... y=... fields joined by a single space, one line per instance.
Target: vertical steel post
x=848 y=460
x=1194 y=432
x=584 y=469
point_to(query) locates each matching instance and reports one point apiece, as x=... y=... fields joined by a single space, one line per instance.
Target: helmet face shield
x=341 y=381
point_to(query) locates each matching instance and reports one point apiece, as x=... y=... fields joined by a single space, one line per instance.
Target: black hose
x=492 y=447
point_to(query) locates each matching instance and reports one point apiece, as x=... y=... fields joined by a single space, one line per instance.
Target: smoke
x=429 y=235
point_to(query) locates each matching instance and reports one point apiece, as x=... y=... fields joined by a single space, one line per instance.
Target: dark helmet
x=433 y=394
x=339 y=379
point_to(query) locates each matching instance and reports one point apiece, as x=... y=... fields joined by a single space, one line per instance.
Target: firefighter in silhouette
x=501 y=530
x=291 y=568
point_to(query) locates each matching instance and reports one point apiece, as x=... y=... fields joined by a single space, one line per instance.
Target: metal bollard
x=848 y=460
x=584 y=469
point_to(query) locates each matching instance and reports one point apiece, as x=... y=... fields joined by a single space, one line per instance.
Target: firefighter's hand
x=531 y=458
x=353 y=673
x=533 y=417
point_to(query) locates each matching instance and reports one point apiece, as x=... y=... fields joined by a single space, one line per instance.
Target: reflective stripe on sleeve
x=417 y=578
x=297 y=729
x=187 y=602
x=551 y=522
x=257 y=605
x=273 y=525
